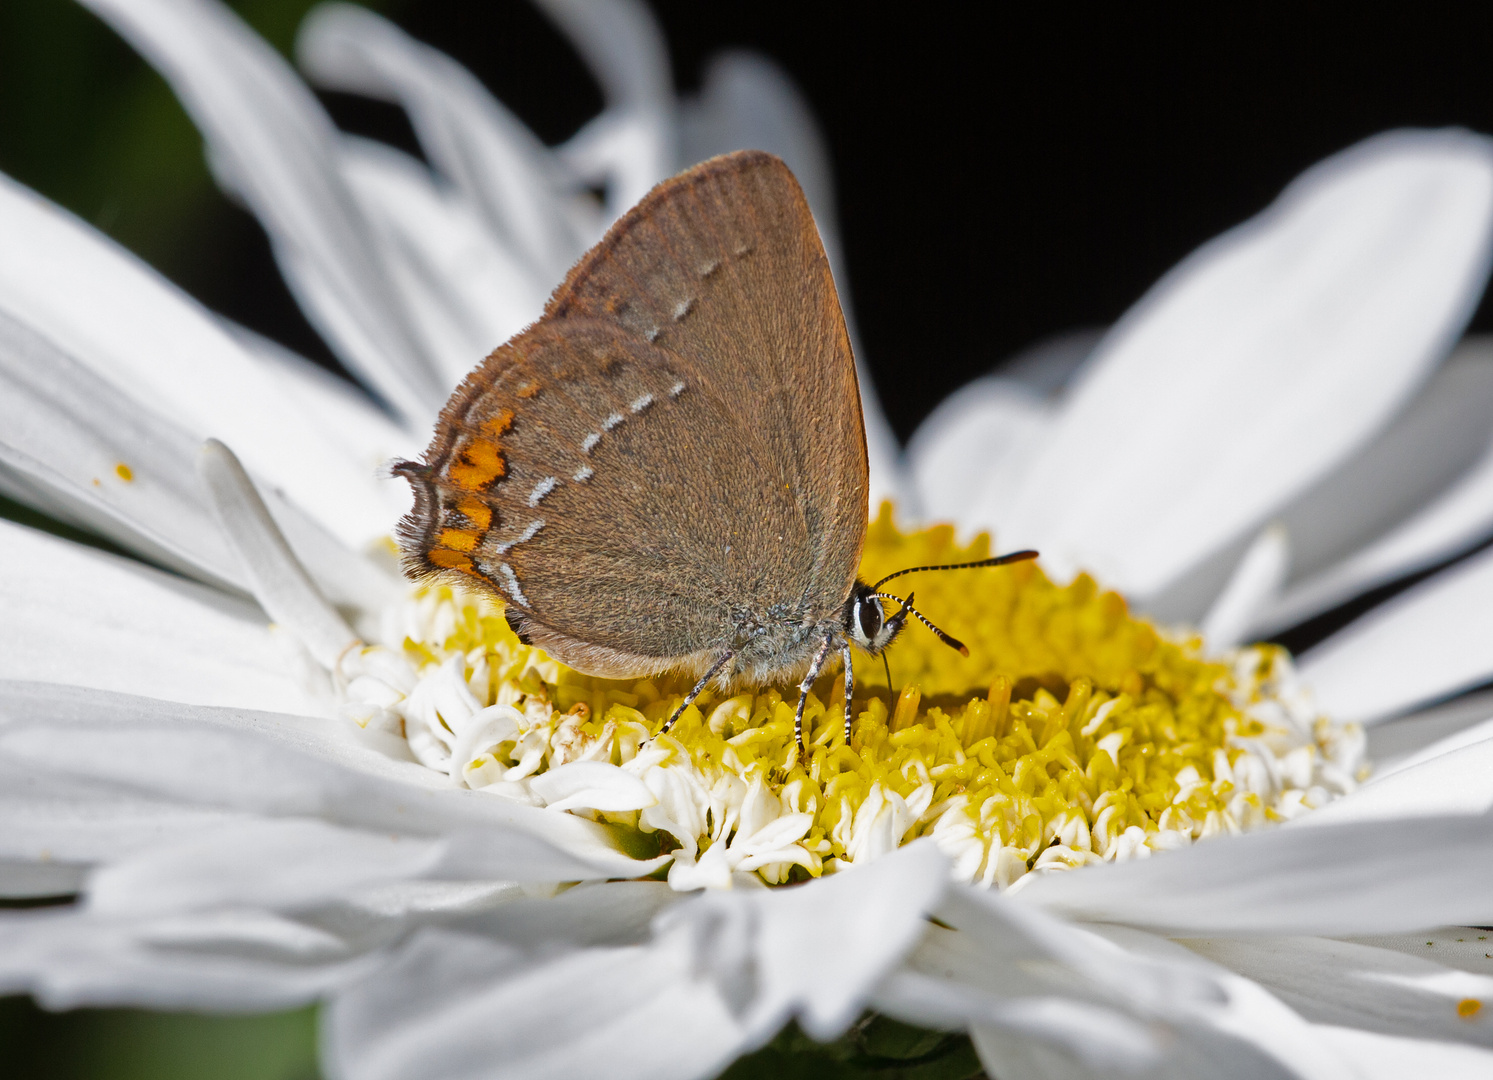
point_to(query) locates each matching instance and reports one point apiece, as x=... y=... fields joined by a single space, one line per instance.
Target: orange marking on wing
x=458 y=539
x=483 y=453
x=498 y=423
x=124 y=472
x=477 y=512
x=528 y=390
x=479 y=464
x=450 y=560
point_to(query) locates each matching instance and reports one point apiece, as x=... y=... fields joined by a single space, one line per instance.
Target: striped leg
x=699 y=688
x=803 y=696
x=849 y=689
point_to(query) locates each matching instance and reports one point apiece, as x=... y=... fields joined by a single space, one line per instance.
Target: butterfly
x=667 y=471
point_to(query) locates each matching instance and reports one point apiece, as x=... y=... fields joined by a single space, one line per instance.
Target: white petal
x=633 y=141
x=393 y=905
x=519 y=193
x=1453 y=779
x=1256 y=581
x=1438 y=435
x=814 y=951
x=1426 y=643
x=270 y=144
x=78 y=448
x=1396 y=743
x=103 y=308
x=80 y=616
x=726 y=969
x=1011 y=951
x=256 y=864
x=1453 y=522
x=467 y=294
x=968 y=457
x=91 y=457
x=453 y=1005
x=1009 y=1055
x=214 y=961
x=280 y=582
x=1131 y=999
x=338 y=409
x=1094 y=1035
x=824 y=946
x=88 y=453
x=592 y=913
x=73 y=446
x=175 y=919
x=1463 y=948
x=1197 y=1052
x=593 y=785
x=1386 y=1057
x=267 y=763
x=74 y=824
x=1255 y=1021
x=1356 y=878
x=1356 y=985
x=1420 y=485
x=888 y=480
x=1055 y=363
x=1262 y=361
x=624 y=152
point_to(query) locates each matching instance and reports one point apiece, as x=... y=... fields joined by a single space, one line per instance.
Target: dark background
x=1001 y=176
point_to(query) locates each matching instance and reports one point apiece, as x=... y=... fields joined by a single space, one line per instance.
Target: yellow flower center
x=1072 y=733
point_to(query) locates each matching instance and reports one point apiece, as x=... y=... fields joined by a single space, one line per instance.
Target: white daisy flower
x=273 y=774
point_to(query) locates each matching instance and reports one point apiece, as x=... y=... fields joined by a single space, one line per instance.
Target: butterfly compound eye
x=869 y=619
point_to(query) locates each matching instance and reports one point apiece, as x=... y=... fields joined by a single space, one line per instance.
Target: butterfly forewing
x=674 y=449
x=724 y=265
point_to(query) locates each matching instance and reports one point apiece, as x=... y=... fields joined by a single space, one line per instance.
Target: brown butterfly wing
x=723 y=264
x=675 y=449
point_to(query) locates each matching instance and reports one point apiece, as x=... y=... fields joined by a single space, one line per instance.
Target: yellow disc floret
x=1072 y=733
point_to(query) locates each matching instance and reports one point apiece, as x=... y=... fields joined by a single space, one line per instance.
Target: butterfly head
x=866 y=623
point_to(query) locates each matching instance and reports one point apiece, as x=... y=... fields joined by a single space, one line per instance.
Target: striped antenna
x=948 y=639
x=999 y=560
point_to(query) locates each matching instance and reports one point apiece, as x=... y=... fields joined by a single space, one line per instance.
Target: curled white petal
x=281 y=584
x=592 y=785
x=272 y=145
